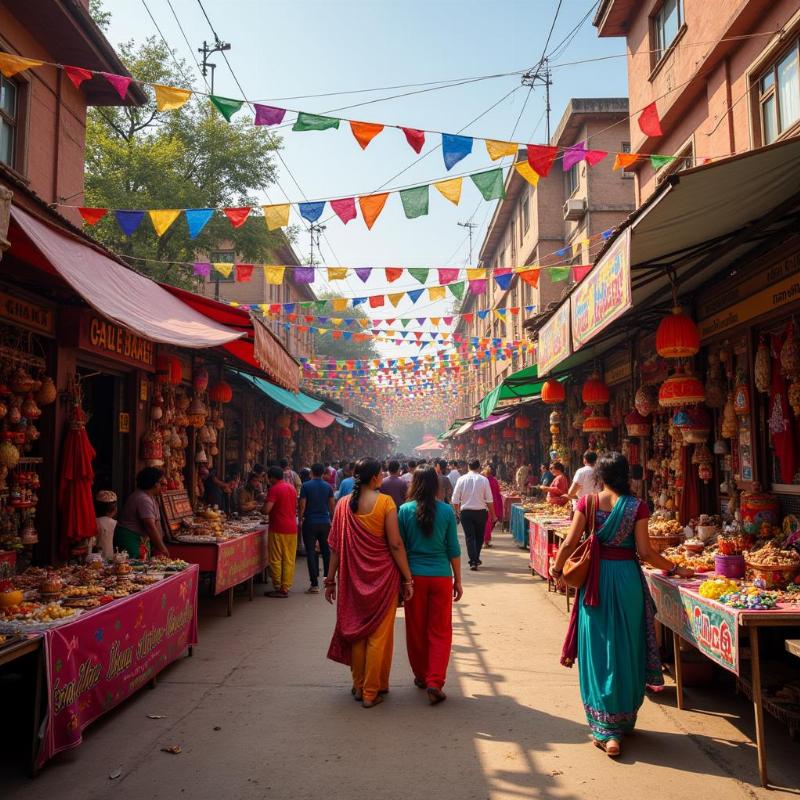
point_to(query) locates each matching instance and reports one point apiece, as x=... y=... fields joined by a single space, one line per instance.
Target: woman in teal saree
x=612 y=633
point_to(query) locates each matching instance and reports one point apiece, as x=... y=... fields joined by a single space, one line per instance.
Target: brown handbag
x=576 y=568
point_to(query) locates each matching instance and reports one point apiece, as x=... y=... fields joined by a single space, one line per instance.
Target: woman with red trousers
x=429 y=532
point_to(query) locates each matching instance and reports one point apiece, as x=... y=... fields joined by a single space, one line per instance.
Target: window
x=524 y=216
x=512 y=246
x=9 y=121
x=572 y=179
x=779 y=96
x=666 y=24
x=626 y=148
x=222 y=257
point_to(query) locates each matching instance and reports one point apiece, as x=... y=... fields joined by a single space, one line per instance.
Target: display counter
x=509 y=499
x=518 y=526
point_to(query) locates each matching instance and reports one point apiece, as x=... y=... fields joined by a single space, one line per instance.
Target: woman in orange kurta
x=369 y=557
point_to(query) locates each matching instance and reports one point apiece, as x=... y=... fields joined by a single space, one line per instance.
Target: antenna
x=470 y=226
x=541 y=74
x=218 y=47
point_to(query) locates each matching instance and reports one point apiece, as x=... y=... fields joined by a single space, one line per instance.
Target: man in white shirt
x=472 y=501
x=584 y=482
x=454 y=474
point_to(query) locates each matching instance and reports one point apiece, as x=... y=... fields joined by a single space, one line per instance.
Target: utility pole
x=470 y=226
x=218 y=47
x=315 y=231
x=541 y=74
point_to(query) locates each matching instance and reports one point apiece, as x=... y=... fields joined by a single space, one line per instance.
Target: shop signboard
x=604 y=294
x=93 y=333
x=554 y=341
x=26 y=314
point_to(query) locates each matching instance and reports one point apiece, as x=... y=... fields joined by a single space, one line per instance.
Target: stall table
x=230 y=561
x=95 y=662
x=519 y=526
x=546 y=536
x=509 y=499
x=714 y=628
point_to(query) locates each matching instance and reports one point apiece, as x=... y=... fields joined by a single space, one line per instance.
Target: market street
x=260 y=713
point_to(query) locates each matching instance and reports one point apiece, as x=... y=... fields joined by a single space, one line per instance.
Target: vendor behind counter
x=138 y=530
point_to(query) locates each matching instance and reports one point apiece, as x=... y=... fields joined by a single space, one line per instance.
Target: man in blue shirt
x=316 y=510
x=345 y=487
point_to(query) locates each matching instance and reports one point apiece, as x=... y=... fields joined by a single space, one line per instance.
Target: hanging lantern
x=594 y=392
x=168 y=370
x=597 y=424
x=481 y=441
x=508 y=434
x=522 y=423
x=637 y=424
x=763 y=367
x=646 y=400
x=697 y=429
x=677 y=336
x=730 y=425
x=681 y=389
x=553 y=392
x=790 y=354
x=220 y=392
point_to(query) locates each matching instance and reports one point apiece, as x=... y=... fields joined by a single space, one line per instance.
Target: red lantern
x=522 y=423
x=594 y=392
x=508 y=434
x=597 y=424
x=168 y=370
x=677 y=336
x=220 y=392
x=681 y=390
x=481 y=441
x=553 y=392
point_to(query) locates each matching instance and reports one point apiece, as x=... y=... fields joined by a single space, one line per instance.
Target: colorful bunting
x=365 y=132
x=454 y=148
x=649 y=122
x=527 y=172
x=415 y=201
x=202 y=269
x=314 y=122
x=244 y=272
x=579 y=273
x=559 y=274
x=447 y=275
x=128 y=221
x=163 y=218
x=503 y=278
x=10 y=64
x=476 y=273
x=363 y=273
x=371 y=207
x=170 y=98
x=625 y=160
x=274 y=274
x=91 y=216
x=268 y=115
x=415 y=138
x=226 y=105
x=395 y=298
x=594 y=157
x=419 y=274
x=436 y=293
x=376 y=301
x=660 y=161
x=339 y=303
x=303 y=274
x=490 y=184
x=457 y=289
x=450 y=189
x=237 y=216
x=415 y=294
x=344 y=208
x=573 y=155
x=78 y=75
x=119 y=82
x=337 y=273
x=223 y=267
x=393 y=273
x=197 y=219
x=531 y=277
x=497 y=149
x=541 y=158
x=276 y=216
x=311 y=211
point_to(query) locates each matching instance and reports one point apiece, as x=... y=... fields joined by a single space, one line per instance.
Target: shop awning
x=517 y=386
x=319 y=419
x=345 y=422
x=301 y=403
x=118 y=293
x=465 y=428
x=487 y=423
x=431 y=446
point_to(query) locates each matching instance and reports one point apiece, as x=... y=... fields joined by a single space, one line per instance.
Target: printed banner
x=106 y=655
x=540 y=558
x=554 y=341
x=239 y=559
x=604 y=294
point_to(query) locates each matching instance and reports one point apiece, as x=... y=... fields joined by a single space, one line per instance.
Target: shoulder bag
x=576 y=569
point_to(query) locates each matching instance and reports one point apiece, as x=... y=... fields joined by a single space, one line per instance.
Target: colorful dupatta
x=369 y=582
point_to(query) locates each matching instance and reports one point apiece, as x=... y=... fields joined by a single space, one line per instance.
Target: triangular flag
x=447 y=275
x=314 y=122
x=226 y=105
x=344 y=208
x=339 y=303
x=371 y=207
x=490 y=184
x=276 y=216
x=303 y=274
x=376 y=301
x=572 y=155
x=415 y=201
x=497 y=149
x=202 y=269
x=527 y=172
x=457 y=289
x=78 y=75
x=363 y=273
x=273 y=274
x=415 y=295
x=244 y=273
x=170 y=98
x=450 y=189
x=503 y=278
x=365 y=132
x=10 y=64
x=530 y=276
x=223 y=267
x=541 y=158
x=660 y=161
x=580 y=272
x=419 y=273
x=119 y=82
x=91 y=216
x=415 y=138
x=163 y=218
x=477 y=287
x=311 y=211
x=129 y=221
x=649 y=122
x=337 y=273
x=454 y=148
x=625 y=160
x=268 y=115
x=395 y=298
x=393 y=273
x=436 y=293
x=476 y=274
x=237 y=216
x=559 y=274
x=594 y=157
x=196 y=220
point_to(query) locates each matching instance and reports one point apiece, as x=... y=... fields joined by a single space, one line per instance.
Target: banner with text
x=554 y=342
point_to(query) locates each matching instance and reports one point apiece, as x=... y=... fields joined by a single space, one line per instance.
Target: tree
x=345 y=349
x=140 y=158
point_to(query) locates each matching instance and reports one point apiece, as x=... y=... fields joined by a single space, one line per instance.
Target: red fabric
x=244 y=272
x=344 y=208
x=78 y=75
x=91 y=216
x=369 y=582
x=649 y=122
x=429 y=628
x=75 y=488
x=779 y=419
x=393 y=273
x=541 y=158
x=415 y=138
x=283 y=516
x=497 y=499
x=237 y=216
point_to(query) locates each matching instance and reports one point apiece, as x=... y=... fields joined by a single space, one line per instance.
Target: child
x=106 y=505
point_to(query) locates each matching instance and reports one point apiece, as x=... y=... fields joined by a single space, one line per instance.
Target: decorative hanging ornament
x=168 y=369
x=646 y=400
x=681 y=389
x=220 y=392
x=741 y=396
x=763 y=367
x=597 y=423
x=522 y=423
x=553 y=392
x=594 y=392
x=677 y=336
x=200 y=380
x=730 y=425
x=637 y=424
x=790 y=353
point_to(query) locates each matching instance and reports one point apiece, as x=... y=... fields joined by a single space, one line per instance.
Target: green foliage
x=140 y=158
x=98 y=13
x=344 y=349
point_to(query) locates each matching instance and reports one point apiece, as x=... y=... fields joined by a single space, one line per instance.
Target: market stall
x=519 y=526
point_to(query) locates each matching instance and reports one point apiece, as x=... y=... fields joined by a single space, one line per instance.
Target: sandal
x=372 y=703
x=611 y=747
x=419 y=683
x=435 y=695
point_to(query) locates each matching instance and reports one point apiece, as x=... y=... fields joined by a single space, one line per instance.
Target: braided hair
x=424 y=489
x=363 y=472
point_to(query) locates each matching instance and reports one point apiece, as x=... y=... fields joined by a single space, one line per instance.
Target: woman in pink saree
x=497 y=500
x=369 y=558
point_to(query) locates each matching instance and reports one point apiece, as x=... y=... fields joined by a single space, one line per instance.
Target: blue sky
x=308 y=47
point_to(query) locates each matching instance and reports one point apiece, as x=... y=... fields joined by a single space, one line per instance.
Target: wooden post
x=755 y=672
x=676 y=647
